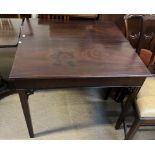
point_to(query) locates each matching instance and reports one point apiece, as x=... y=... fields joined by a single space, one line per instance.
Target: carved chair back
x=133 y=24
x=147 y=32
x=57 y=17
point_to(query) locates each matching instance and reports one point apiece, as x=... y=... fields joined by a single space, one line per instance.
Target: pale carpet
x=64 y=114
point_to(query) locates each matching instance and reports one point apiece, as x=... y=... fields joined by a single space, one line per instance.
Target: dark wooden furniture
x=15 y=16
x=9 y=35
x=73 y=54
x=152 y=69
x=9 y=15
x=118 y=19
x=147 y=33
x=141 y=33
x=130 y=25
x=58 y=17
x=83 y=16
x=144 y=106
x=145 y=109
x=133 y=26
x=147 y=56
x=144 y=103
x=67 y=17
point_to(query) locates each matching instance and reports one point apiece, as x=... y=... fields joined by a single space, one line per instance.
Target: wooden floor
x=65 y=114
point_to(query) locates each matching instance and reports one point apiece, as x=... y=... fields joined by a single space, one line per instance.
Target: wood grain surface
x=75 y=50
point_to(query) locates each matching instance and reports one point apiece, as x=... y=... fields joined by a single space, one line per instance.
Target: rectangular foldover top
x=9 y=32
x=74 y=49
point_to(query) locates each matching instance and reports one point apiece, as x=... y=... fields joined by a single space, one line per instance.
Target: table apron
x=78 y=82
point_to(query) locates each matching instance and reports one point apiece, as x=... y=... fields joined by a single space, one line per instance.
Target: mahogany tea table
x=73 y=54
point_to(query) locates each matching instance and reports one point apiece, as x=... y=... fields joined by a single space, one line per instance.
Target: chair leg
x=133 y=129
x=126 y=108
x=118 y=91
x=108 y=91
x=123 y=114
x=123 y=92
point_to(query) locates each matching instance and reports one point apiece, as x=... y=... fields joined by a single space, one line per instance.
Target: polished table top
x=73 y=54
x=9 y=32
x=74 y=49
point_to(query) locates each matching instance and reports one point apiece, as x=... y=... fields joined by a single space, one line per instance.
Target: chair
x=133 y=24
x=145 y=101
x=141 y=33
x=147 y=34
x=145 y=107
x=143 y=38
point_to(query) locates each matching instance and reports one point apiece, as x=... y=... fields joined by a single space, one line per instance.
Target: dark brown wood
x=139 y=28
x=152 y=69
x=75 y=50
x=133 y=129
x=139 y=121
x=24 y=102
x=66 y=82
x=118 y=19
x=74 y=54
x=133 y=26
x=9 y=32
x=9 y=15
x=15 y=15
x=152 y=49
x=147 y=32
x=57 y=17
x=67 y=17
x=107 y=93
x=126 y=107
